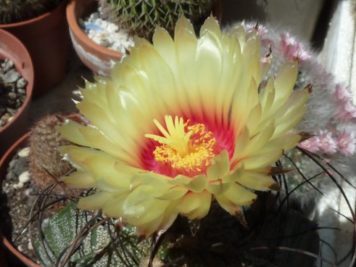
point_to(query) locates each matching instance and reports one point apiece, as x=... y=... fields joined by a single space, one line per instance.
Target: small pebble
x=5 y=117
x=107 y=34
x=23 y=153
x=24 y=177
x=28 y=192
x=11 y=111
x=11 y=76
x=12 y=95
x=29 y=246
x=6 y=65
x=21 y=83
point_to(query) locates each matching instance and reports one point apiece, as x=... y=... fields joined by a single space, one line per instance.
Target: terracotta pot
x=46 y=37
x=15 y=254
x=4 y=163
x=96 y=57
x=13 y=49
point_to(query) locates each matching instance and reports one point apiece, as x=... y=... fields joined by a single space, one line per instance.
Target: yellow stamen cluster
x=187 y=149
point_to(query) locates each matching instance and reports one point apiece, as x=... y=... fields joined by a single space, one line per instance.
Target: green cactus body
x=17 y=10
x=102 y=245
x=140 y=17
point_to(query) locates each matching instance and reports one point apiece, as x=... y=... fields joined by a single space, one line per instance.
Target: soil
x=12 y=91
x=17 y=198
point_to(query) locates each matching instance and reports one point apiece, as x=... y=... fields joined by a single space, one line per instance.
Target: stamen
x=185 y=148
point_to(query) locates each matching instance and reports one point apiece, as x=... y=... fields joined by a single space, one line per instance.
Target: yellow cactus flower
x=182 y=122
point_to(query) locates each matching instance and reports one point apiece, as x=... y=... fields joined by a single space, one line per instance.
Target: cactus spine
x=139 y=17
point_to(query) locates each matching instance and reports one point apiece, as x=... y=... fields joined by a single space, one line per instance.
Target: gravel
x=17 y=197
x=12 y=91
x=106 y=33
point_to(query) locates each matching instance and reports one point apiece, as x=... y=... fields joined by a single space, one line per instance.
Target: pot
x=16 y=256
x=46 y=38
x=13 y=49
x=97 y=58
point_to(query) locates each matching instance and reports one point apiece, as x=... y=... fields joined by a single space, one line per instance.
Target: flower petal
x=220 y=166
x=79 y=180
x=235 y=197
x=195 y=205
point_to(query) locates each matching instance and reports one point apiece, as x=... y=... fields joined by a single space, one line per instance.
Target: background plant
x=140 y=17
x=17 y=10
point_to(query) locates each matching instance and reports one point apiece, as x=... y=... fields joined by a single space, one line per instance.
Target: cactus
x=16 y=10
x=141 y=17
x=104 y=244
x=46 y=163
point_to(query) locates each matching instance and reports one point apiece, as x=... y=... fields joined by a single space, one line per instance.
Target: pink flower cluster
x=292 y=49
x=328 y=143
x=346 y=110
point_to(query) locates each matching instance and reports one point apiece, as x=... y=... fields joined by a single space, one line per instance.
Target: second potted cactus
x=132 y=18
x=41 y=26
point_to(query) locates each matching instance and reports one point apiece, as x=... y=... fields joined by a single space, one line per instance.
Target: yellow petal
x=257 y=141
x=102 y=166
x=211 y=26
x=95 y=201
x=220 y=166
x=114 y=206
x=79 y=180
x=218 y=187
x=263 y=158
x=195 y=205
x=195 y=184
x=92 y=137
x=198 y=183
x=235 y=197
x=165 y=46
x=173 y=193
x=256 y=181
x=284 y=84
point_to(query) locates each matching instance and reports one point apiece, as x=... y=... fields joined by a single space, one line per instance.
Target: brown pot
x=96 y=57
x=4 y=163
x=46 y=38
x=15 y=254
x=13 y=49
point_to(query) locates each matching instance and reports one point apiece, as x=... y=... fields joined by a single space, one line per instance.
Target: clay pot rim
x=30 y=80
x=80 y=34
x=32 y=20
